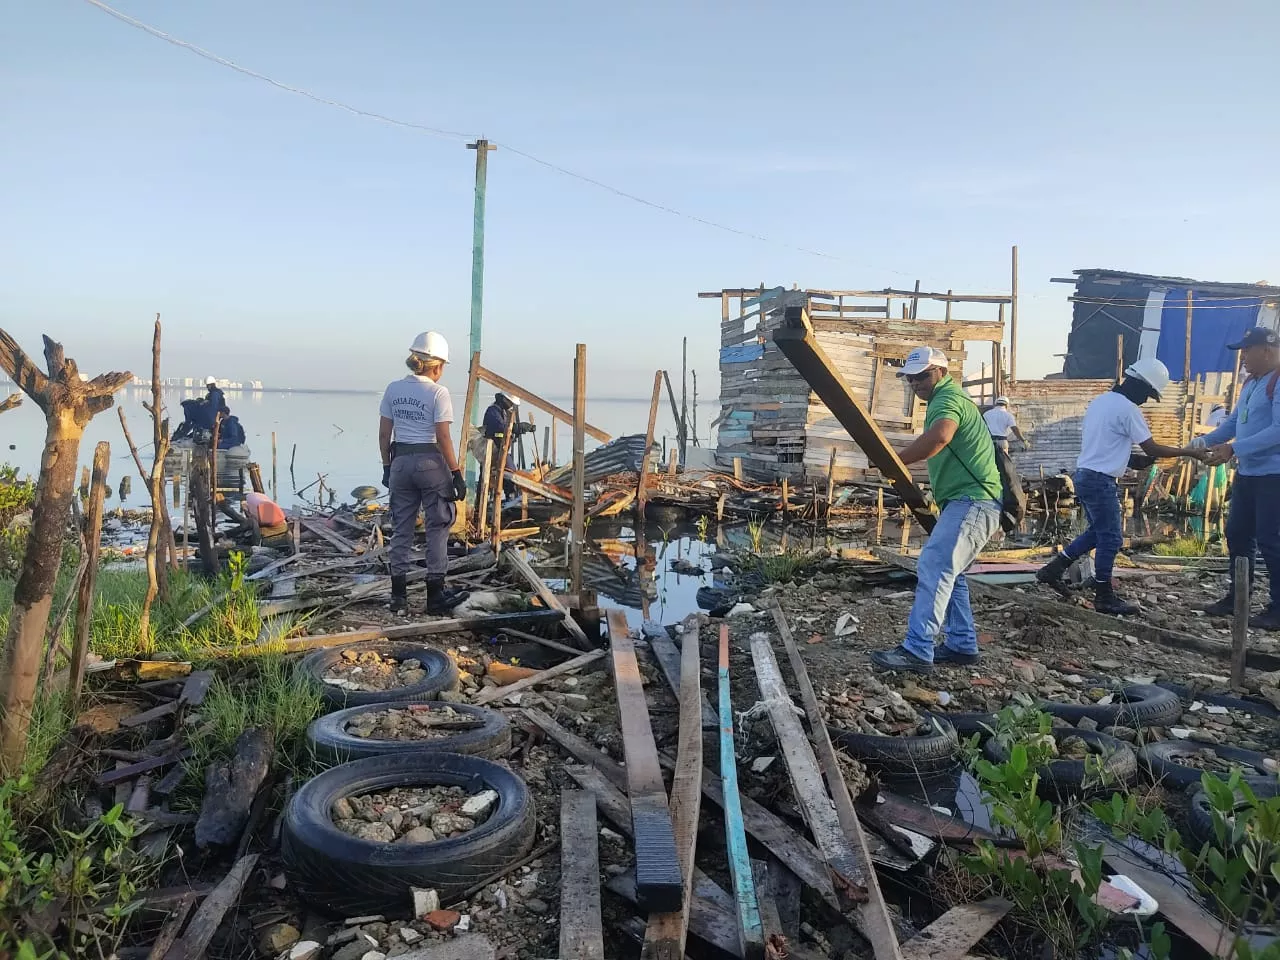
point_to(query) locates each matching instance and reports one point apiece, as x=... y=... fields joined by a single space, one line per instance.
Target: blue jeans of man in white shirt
x=942 y=593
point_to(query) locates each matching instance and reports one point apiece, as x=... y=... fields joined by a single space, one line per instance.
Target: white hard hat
x=1151 y=372
x=921 y=359
x=431 y=345
x=515 y=401
x=1002 y=401
x=209 y=380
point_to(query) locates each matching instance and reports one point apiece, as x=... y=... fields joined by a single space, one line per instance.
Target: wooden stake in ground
x=641 y=494
x=157 y=579
x=68 y=403
x=1240 y=625
x=93 y=543
x=578 y=522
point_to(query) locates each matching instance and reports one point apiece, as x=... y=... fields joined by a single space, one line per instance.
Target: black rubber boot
x=1106 y=601
x=399 y=594
x=1051 y=573
x=1267 y=620
x=440 y=600
x=1226 y=607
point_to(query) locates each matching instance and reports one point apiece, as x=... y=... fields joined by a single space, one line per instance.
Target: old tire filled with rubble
x=332 y=744
x=441 y=673
x=925 y=755
x=1066 y=777
x=1136 y=705
x=347 y=876
x=1161 y=759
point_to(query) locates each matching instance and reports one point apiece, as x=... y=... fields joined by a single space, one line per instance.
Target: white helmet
x=210 y=380
x=431 y=345
x=1002 y=401
x=1151 y=372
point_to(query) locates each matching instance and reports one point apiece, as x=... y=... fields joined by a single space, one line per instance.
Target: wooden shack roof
x=1103 y=275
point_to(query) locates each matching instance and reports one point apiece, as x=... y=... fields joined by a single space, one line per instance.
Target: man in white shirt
x=1112 y=426
x=1001 y=423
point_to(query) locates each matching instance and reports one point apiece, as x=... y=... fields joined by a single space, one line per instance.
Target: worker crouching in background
x=420 y=468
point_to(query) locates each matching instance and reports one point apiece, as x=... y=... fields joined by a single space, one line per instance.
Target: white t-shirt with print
x=415 y=405
x=999 y=421
x=1112 y=425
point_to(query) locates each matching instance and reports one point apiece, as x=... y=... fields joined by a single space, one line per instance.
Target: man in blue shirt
x=1252 y=436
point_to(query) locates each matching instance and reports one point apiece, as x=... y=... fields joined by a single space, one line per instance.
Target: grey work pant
x=421 y=481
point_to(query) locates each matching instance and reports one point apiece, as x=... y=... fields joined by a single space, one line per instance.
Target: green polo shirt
x=965 y=467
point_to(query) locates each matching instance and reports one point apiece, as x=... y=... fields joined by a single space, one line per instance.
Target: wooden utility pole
x=68 y=403
x=1013 y=319
x=579 y=522
x=642 y=495
x=93 y=545
x=482 y=148
x=1186 y=359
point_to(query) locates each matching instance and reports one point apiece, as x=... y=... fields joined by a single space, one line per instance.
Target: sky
x=294 y=242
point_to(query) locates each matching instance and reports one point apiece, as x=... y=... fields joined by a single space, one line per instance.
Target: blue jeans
x=942 y=593
x=1100 y=498
x=1253 y=526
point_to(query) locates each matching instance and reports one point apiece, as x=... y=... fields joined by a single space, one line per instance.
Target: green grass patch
x=783 y=567
x=1181 y=547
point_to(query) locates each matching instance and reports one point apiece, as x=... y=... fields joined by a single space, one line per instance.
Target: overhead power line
x=450 y=135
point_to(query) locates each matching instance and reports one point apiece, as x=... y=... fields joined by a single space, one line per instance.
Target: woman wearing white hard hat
x=1113 y=424
x=420 y=468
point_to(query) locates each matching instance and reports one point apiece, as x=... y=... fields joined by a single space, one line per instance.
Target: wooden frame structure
x=778 y=428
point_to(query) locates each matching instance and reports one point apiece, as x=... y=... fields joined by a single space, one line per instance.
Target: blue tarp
x=743 y=353
x=1215 y=322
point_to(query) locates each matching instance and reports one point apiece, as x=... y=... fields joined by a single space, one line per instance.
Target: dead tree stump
x=229 y=789
x=69 y=403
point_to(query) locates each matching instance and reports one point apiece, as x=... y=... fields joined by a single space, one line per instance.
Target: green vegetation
x=1181 y=547
x=16 y=497
x=782 y=567
x=1237 y=871
x=755 y=529
x=702 y=524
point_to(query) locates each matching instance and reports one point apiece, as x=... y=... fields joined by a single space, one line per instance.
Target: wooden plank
x=666 y=932
x=711 y=910
x=194 y=690
x=641 y=495
x=750 y=926
x=847 y=874
x=208 y=918
x=172 y=926
x=128 y=772
x=521 y=566
x=496 y=621
x=581 y=936
x=333 y=538
x=578 y=521
x=957 y=931
x=668 y=657
x=547 y=490
x=873 y=918
x=658 y=882
x=569 y=666
x=155 y=713
x=797 y=342
x=546 y=406
x=771 y=831
x=1256 y=659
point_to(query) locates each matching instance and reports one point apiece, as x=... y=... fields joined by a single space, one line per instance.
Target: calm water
x=334 y=433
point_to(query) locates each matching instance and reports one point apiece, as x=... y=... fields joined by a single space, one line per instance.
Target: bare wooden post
x=642 y=495
x=831 y=483
x=737 y=469
x=552 y=445
x=160 y=442
x=84 y=590
x=473 y=386
x=579 y=520
x=1232 y=397
x=198 y=502
x=906 y=527
x=213 y=467
x=693 y=410
x=68 y=403
x=186 y=504
x=1186 y=360
x=502 y=476
x=275 y=493
x=1013 y=319
x=482 y=502
x=1240 y=625
x=684 y=400
x=786 y=497
x=1119 y=357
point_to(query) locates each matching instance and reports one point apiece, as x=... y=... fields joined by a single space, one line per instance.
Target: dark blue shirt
x=495 y=421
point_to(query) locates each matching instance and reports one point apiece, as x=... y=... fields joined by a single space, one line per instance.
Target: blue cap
x=1257 y=337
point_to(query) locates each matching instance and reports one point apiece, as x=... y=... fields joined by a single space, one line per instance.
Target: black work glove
x=386 y=475
x=459 y=486
x=1140 y=461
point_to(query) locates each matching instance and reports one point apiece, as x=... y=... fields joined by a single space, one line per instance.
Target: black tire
x=1254 y=705
x=442 y=673
x=1199 y=820
x=346 y=876
x=1161 y=760
x=331 y=744
x=967 y=724
x=1067 y=778
x=902 y=757
x=1137 y=705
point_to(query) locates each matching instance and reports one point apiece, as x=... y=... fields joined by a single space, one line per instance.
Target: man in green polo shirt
x=966 y=487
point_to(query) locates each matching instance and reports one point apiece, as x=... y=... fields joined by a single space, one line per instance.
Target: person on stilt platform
x=1112 y=426
x=420 y=469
